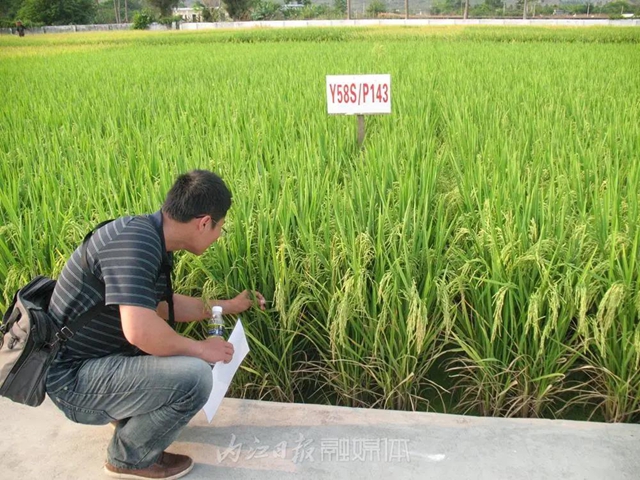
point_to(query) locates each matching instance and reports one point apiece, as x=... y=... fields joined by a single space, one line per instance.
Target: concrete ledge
x=72 y=28
x=273 y=441
x=338 y=23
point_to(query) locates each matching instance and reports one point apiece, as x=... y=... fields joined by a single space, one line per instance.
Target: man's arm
x=187 y=309
x=143 y=328
x=190 y=309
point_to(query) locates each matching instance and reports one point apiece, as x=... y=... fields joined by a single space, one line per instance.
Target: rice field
x=479 y=254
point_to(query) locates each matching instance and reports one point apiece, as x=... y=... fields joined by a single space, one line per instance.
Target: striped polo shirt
x=126 y=255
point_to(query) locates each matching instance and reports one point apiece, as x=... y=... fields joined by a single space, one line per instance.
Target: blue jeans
x=152 y=398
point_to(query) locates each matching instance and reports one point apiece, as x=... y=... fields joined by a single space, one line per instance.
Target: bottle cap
x=217 y=309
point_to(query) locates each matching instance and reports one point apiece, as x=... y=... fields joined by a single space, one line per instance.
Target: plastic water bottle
x=215 y=327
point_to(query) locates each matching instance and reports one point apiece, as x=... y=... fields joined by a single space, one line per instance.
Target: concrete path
x=276 y=441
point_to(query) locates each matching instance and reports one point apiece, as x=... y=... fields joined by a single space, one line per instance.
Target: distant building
x=188 y=14
x=191 y=11
x=292 y=6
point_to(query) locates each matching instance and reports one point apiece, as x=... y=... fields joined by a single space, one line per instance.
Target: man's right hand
x=215 y=349
x=143 y=328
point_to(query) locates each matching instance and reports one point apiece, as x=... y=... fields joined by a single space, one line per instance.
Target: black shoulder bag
x=30 y=339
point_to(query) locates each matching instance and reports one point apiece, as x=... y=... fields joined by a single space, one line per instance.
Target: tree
x=106 y=13
x=116 y=10
x=265 y=10
x=165 y=6
x=445 y=7
x=238 y=9
x=9 y=8
x=375 y=8
x=494 y=4
x=56 y=12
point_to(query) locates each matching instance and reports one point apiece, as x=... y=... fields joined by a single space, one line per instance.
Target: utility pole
x=406 y=9
x=348 y=9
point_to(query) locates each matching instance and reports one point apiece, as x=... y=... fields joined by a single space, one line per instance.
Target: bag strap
x=83 y=260
x=166 y=268
x=68 y=331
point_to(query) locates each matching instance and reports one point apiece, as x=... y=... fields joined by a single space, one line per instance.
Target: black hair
x=197 y=193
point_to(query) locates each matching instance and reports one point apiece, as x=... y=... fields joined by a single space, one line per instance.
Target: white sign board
x=358 y=94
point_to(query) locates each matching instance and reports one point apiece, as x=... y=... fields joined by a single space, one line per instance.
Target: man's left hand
x=247 y=299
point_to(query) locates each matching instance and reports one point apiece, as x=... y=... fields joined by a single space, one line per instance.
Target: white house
x=188 y=14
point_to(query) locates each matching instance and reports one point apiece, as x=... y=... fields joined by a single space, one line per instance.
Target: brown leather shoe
x=168 y=467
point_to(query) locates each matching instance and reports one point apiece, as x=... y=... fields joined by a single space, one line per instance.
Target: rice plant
x=479 y=254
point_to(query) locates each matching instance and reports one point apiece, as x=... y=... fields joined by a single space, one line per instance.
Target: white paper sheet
x=223 y=373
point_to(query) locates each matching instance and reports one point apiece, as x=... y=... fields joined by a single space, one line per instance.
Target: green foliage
x=141 y=20
x=545 y=10
x=210 y=14
x=206 y=14
x=340 y=6
x=577 y=8
x=484 y=10
x=105 y=14
x=312 y=11
x=170 y=20
x=266 y=10
x=165 y=7
x=55 y=12
x=309 y=12
x=616 y=8
x=26 y=23
x=291 y=13
x=238 y=9
x=375 y=8
x=9 y=9
x=493 y=4
x=441 y=7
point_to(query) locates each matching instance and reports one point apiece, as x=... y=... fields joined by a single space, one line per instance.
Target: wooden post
x=360 y=130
